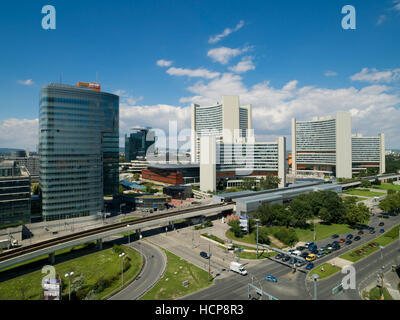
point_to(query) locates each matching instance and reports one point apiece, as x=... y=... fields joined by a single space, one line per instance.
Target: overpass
x=49 y=247
x=383 y=177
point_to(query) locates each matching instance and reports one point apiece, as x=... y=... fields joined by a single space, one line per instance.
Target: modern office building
x=325 y=147
x=78 y=149
x=172 y=174
x=24 y=159
x=15 y=194
x=222 y=162
x=368 y=152
x=138 y=143
x=228 y=122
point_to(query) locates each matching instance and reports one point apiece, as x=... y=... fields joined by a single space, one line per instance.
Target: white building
x=326 y=147
x=227 y=121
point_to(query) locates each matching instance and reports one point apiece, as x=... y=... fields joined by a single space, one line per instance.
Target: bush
x=117 y=249
x=100 y=285
x=286 y=235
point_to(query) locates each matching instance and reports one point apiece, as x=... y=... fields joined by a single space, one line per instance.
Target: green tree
x=356 y=214
x=35 y=189
x=235 y=228
x=300 y=210
x=249 y=184
x=263 y=236
x=269 y=182
x=365 y=183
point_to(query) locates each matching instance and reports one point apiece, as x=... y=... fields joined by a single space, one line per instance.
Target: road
x=154 y=267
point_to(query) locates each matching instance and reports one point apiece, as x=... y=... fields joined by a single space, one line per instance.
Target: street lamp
x=140 y=244
x=129 y=235
x=122 y=256
x=315 y=277
x=257 y=237
x=69 y=283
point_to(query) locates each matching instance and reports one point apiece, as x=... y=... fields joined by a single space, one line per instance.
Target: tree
x=269 y=182
x=35 y=189
x=300 y=210
x=365 y=184
x=249 y=184
x=235 y=228
x=263 y=236
x=356 y=214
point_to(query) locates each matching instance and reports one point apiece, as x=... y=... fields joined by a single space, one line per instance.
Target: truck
x=238 y=267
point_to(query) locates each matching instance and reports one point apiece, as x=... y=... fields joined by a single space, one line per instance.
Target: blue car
x=310 y=266
x=269 y=277
x=382 y=231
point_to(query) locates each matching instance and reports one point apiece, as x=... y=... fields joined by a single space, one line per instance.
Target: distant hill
x=9 y=150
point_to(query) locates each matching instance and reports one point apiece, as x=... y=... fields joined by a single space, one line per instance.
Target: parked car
x=357 y=238
x=271 y=278
x=336 y=247
x=279 y=256
x=360 y=232
x=328 y=250
x=285 y=258
x=300 y=263
x=381 y=224
x=310 y=266
x=293 y=261
x=342 y=240
x=348 y=242
x=382 y=230
x=335 y=236
x=304 y=254
x=349 y=236
x=335 y=243
x=320 y=254
x=309 y=243
x=301 y=248
x=311 y=257
x=372 y=231
x=204 y=255
x=296 y=252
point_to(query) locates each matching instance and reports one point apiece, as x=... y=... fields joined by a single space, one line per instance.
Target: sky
x=286 y=58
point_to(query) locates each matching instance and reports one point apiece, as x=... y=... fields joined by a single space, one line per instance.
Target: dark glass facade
x=137 y=143
x=79 y=150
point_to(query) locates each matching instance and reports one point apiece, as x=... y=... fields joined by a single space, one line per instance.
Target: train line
x=52 y=242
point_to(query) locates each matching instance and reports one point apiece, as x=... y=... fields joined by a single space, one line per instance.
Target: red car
x=342 y=240
x=360 y=232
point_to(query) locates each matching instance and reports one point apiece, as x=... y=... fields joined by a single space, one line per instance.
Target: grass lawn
x=247 y=238
x=253 y=255
x=375 y=294
x=364 y=193
x=372 y=246
x=328 y=270
x=93 y=266
x=323 y=231
x=170 y=285
x=130 y=219
x=388 y=186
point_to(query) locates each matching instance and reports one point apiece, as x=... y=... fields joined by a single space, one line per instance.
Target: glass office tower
x=79 y=149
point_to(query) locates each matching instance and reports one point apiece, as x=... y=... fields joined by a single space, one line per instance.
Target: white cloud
x=396 y=5
x=164 y=63
x=373 y=75
x=244 y=65
x=381 y=19
x=19 y=133
x=201 y=73
x=226 y=33
x=224 y=54
x=330 y=73
x=28 y=82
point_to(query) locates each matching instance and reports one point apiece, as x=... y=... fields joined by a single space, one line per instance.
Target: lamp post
x=140 y=244
x=129 y=235
x=122 y=256
x=315 y=277
x=69 y=275
x=257 y=237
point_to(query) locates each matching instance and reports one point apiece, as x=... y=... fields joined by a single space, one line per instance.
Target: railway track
x=52 y=242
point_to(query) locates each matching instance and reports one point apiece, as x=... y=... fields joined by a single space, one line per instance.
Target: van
x=238 y=268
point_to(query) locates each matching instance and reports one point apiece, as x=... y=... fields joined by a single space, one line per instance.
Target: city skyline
x=286 y=61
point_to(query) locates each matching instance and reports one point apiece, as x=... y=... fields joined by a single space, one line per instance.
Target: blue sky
x=297 y=60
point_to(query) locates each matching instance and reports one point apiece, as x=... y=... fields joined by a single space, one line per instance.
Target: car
x=310 y=266
x=271 y=278
x=371 y=228
x=349 y=236
x=348 y=242
x=314 y=251
x=381 y=224
x=335 y=243
x=285 y=258
x=357 y=238
x=293 y=261
x=335 y=236
x=204 y=255
x=300 y=263
x=311 y=257
x=320 y=254
x=309 y=243
x=342 y=240
x=328 y=250
x=382 y=230
x=336 y=247
x=304 y=254
x=300 y=248
x=372 y=231
x=360 y=232
x=279 y=256
x=296 y=252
